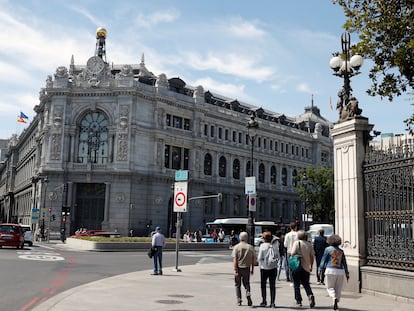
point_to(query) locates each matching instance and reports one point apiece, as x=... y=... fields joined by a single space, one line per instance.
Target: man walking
x=290 y=238
x=319 y=245
x=244 y=258
x=158 y=242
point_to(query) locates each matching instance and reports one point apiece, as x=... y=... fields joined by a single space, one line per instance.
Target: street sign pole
x=180 y=205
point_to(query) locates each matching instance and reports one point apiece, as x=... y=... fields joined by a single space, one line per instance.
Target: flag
x=330 y=102
x=22 y=118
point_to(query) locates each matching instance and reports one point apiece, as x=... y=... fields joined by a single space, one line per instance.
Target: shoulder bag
x=295 y=262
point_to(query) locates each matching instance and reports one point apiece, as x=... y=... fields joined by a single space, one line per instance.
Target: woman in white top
x=268 y=260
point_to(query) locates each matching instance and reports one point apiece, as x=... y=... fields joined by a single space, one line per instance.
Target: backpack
x=270 y=258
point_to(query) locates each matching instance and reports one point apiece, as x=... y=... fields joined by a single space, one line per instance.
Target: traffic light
x=53 y=217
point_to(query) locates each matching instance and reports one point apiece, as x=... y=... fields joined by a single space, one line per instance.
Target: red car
x=11 y=235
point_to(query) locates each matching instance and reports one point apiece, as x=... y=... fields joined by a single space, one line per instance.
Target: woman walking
x=333 y=264
x=268 y=258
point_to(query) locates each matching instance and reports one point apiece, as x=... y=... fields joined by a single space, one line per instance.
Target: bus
x=238 y=225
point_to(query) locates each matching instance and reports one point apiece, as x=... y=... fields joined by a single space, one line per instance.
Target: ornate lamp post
x=252 y=127
x=346 y=67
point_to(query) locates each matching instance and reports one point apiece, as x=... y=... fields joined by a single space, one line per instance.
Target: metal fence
x=389 y=207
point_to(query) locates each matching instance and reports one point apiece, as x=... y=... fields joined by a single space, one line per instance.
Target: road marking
x=40 y=256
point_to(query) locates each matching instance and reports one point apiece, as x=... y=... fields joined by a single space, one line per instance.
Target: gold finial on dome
x=100 y=32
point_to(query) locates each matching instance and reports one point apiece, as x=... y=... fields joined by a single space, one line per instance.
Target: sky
x=272 y=54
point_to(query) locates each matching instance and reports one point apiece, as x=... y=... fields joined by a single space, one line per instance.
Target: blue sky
x=267 y=53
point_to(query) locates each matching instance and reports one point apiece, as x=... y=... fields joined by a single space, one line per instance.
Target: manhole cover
x=181 y=296
x=169 y=302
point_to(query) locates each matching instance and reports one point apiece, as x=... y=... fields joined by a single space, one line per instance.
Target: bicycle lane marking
x=56 y=282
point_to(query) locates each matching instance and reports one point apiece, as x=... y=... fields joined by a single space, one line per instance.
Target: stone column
x=350 y=140
x=105 y=222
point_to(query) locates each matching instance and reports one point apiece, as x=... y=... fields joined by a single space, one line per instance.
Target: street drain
x=181 y=296
x=169 y=302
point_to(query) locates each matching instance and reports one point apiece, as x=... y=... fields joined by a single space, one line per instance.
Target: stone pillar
x=105 y=222
x=350 y=140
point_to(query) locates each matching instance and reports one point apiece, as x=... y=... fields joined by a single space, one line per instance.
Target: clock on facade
x=95 y=64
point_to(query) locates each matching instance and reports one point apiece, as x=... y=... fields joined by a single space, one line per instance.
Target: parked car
x=28 y=234
x=11 y=235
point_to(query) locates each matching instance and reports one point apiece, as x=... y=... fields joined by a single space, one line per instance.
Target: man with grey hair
x=244 y=259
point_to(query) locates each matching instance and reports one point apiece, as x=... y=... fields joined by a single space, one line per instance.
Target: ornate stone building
x=106 y=140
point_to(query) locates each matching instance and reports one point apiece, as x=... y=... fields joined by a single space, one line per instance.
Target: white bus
x=237 y=225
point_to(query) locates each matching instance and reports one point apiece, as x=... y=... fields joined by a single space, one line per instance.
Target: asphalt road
x=34 y=274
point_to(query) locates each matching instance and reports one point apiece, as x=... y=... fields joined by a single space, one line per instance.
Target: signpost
x=180 y=206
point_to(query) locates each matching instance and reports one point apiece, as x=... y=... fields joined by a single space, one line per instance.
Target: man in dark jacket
x=319 y=245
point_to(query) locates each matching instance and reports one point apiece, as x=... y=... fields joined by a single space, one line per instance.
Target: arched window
x=222 y=166
x=236 y=169
x=207 y=164
x=284 y=176
x=93 y=138
x=273 y=175
x=261 y=172
x=294 y=178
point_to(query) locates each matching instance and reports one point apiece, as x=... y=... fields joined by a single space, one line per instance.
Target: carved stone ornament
x=120 y=197
x=61 y=72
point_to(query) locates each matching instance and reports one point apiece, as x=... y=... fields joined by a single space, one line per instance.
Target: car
x=11 y=235
x=314 y=231
x=28 y=234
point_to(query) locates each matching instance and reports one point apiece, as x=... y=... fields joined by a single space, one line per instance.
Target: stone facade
x=106 y=141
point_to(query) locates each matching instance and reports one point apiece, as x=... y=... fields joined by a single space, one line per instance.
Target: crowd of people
x=274 y=254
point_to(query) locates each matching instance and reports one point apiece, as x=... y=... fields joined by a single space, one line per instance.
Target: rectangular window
x=205 y=130
x=168 y=120
x=167 y=156
x=271 y=145
x=187 y=124
x=240 y=138
x=177 y=122
x=324 y=157
x=307 y=153
x=293 y=149
x=276 y=146
x=264 y=143
x=234 y=136
x=220 y=133
x=282 y=147
x=259 y=142
x=176 y=157
x=212 y=131
x=226 y=134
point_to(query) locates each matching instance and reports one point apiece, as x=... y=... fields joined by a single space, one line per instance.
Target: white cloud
x=226 y=89
x=86 y=14
x=305 y=88
x=245 y=29
x=155 y=18
x=230 y=63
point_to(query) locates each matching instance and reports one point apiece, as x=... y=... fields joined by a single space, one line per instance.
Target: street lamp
x=305 y=187
x=346 y=67
x=252 y=126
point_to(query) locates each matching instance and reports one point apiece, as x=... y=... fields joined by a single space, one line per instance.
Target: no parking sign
x=180 y=196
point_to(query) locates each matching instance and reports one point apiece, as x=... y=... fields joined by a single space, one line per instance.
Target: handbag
x=151 y=251
x=295 y=262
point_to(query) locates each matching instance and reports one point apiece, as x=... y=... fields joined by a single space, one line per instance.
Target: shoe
x=318 y=283
x=298 y=304
x=335 y=306
x=272 y=305
x=311 y=301
x=239 y=302
x=249 y=301
x=154 y=273
x=160 y=273
x=263 y=304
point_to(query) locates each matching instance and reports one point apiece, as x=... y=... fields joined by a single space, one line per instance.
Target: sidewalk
x=197 y=288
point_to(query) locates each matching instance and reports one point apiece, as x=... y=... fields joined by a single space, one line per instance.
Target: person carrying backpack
x=268 y=260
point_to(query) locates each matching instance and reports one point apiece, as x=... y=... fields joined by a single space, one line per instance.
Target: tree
x=317 y=188
x=386 y=31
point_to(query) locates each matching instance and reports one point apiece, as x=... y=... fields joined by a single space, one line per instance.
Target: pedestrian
x=244 y=258
x=282 y=263
x=304 y=248
x=319 y=245
x=268 y=268
x=221 y=236
x=334 y=265
x=290 y=238
x=158 y=242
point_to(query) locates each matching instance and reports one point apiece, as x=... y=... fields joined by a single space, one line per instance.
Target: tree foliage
x=386 y=33
x=318 y=191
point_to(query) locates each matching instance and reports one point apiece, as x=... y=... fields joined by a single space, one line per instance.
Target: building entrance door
x=90 y=201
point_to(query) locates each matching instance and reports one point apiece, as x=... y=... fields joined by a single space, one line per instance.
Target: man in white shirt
x=290 y=238
x=158 y=242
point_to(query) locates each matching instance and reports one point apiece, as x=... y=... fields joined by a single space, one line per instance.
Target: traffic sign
x=181 y=175
x=180 y=196
x=252 y=202
x=250 y=185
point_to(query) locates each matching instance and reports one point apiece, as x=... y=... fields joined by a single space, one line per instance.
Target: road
x=34 y=274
